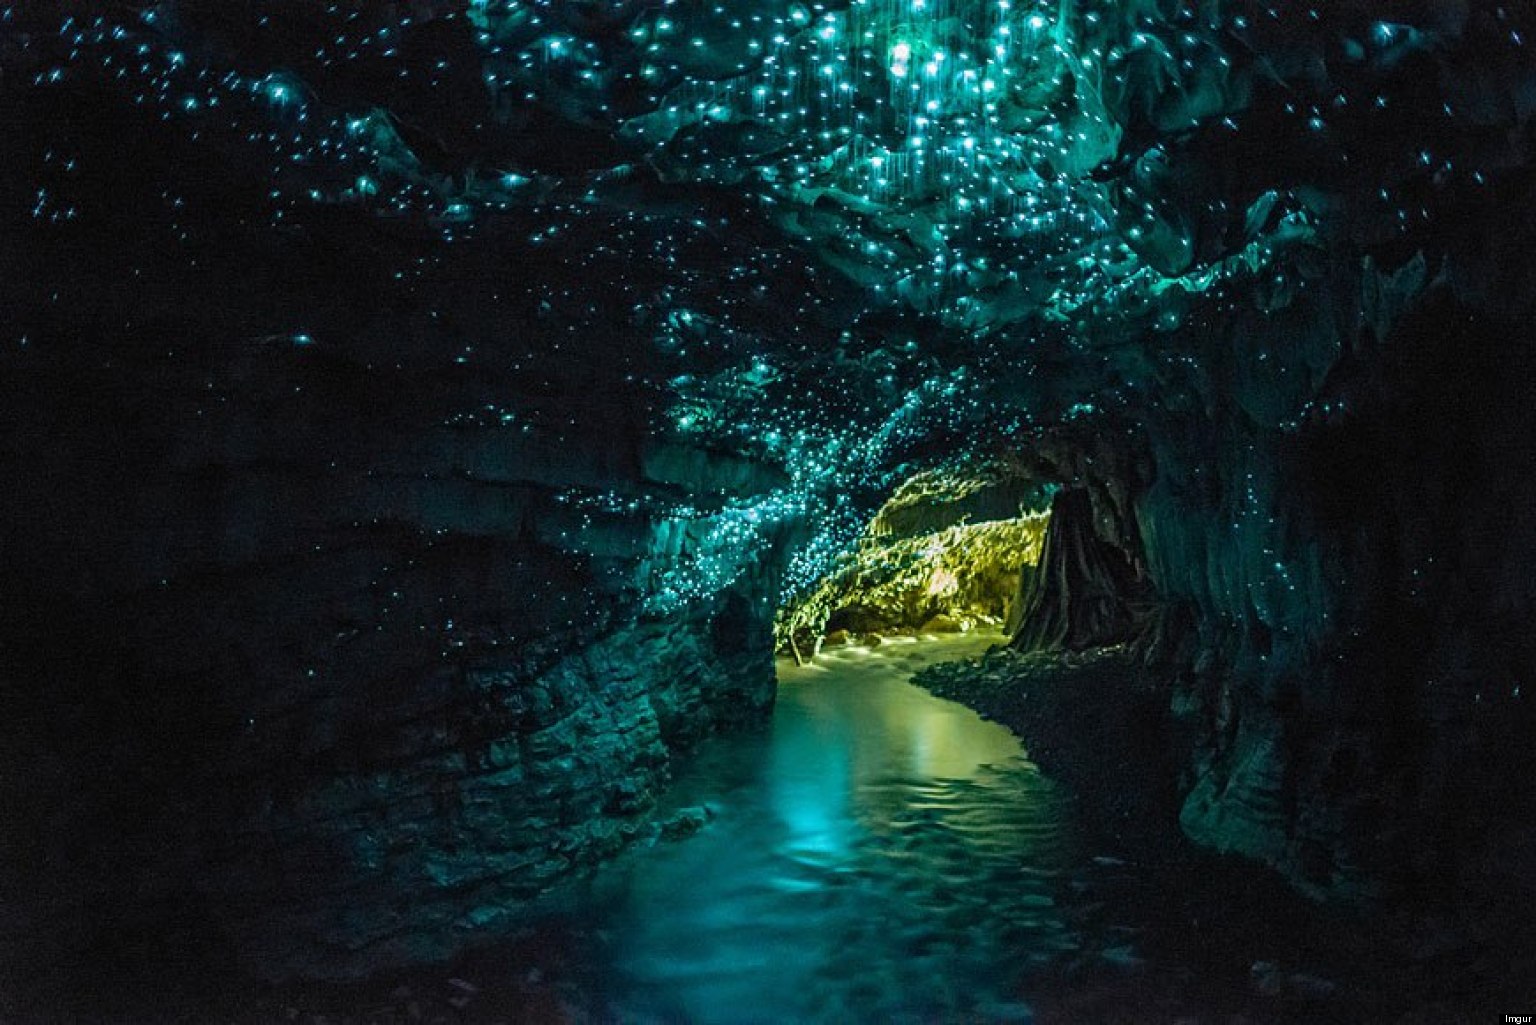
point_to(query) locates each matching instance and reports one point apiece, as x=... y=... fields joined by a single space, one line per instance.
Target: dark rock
x=685 y=823
x=1081 y=593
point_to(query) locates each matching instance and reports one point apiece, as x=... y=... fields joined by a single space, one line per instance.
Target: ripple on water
x=880 y=855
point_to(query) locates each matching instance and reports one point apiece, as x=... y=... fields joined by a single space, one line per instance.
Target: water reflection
x=877 y=855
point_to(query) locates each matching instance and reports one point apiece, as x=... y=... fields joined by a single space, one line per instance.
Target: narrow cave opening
x=1045 y=565
x=947 y=553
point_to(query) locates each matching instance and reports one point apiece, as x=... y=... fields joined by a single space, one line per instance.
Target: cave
x=946 y=552
x=767 y=510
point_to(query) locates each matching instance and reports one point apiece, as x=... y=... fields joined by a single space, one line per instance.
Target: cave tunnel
x=998 y=547
x=860 y=511
x=945 y=553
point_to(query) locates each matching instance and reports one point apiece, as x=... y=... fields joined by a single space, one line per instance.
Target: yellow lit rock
x=922 y=566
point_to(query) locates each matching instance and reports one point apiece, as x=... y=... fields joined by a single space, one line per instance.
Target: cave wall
x=1083 y=591
x=1308 y=451
x=1321 y=536
x=329 y=660
x=276 y=678
x=1350 y=614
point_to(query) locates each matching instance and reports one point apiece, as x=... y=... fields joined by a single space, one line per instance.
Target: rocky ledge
x=1174 y=932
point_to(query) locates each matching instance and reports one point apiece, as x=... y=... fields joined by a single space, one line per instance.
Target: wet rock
x=685 y=823
x=945 y=548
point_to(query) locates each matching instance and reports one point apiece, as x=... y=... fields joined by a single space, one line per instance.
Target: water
x=878 y=854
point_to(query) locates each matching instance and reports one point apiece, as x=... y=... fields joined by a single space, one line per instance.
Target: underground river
x=873 y=854
x=877 y=854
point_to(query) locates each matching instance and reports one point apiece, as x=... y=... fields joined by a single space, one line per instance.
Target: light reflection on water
x=876 y=855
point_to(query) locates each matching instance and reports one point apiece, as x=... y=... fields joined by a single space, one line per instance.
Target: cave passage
x=876 y=854
x=946 y=553
x=431 y=430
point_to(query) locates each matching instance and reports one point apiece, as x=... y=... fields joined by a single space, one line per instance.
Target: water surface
x=877 y=854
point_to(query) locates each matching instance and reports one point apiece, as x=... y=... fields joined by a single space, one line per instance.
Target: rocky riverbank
x=1095 y=721
x=1174 y=933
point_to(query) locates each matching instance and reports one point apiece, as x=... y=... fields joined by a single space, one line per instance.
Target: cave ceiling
x=841 y=237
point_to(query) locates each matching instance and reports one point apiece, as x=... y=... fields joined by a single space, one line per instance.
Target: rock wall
x=1327 y=517
x=1083 y=592
x=1310 y=433
x=1353 y=654
x=331 y=663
